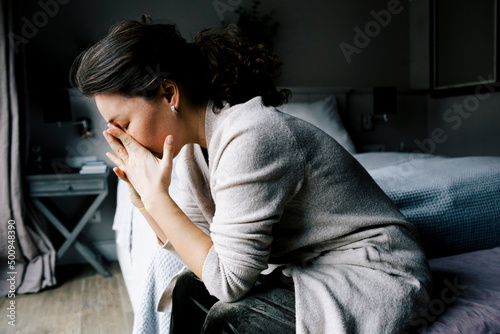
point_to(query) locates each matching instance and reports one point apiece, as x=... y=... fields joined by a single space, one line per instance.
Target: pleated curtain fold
x=27 y=257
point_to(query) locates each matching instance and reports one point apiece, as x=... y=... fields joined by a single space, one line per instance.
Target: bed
x=453 y=202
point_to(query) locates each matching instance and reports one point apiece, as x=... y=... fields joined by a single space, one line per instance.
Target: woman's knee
x=185 y=283
x=190 y=292
x=190 y=304
x=223 y=318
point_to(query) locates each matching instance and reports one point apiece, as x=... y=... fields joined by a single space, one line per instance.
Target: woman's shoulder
x=254 y=116
x=251 y=118
x=251 y=129
x=262 y=122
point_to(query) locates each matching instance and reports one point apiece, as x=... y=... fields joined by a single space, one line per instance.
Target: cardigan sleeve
x=255 y=173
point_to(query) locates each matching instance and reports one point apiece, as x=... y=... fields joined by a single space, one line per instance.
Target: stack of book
x=93 y=167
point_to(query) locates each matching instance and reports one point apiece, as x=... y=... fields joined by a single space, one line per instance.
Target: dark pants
x=268 y=308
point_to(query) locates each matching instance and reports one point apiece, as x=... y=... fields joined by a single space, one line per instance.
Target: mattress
x=466 y=295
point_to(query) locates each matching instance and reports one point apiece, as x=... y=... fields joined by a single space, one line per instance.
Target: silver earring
x=175 y=111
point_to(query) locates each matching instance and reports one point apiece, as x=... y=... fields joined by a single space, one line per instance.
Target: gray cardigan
x=278 y=190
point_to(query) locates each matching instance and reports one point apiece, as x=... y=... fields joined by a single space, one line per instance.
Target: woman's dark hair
x=221 y=65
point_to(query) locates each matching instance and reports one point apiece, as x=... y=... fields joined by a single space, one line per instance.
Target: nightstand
x=71 y=184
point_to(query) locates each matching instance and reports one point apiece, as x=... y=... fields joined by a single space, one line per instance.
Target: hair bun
x=238 y=68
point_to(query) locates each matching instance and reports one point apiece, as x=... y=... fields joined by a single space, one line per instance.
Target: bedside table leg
x=91 y=256
x=81 y=224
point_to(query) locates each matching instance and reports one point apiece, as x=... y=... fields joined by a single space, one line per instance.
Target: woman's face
x=148 y=122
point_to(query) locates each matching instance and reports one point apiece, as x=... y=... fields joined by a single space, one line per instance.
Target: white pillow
x=324 y=115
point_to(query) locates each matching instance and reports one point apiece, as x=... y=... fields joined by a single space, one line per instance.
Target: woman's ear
x=170 y=91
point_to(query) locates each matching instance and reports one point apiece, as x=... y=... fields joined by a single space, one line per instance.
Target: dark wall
x=311 y=37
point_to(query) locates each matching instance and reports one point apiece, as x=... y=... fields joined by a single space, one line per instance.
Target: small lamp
x=385 y=102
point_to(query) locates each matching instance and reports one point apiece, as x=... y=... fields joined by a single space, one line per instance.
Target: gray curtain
x=27 y=258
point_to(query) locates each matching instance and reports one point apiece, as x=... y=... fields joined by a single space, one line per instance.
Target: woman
x=260 y=190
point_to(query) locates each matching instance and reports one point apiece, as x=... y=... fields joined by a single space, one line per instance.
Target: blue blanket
x=453 y=202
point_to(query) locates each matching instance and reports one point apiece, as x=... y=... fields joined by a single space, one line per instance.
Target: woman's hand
x=151 y=176
x=133 y=195
x=147 y=175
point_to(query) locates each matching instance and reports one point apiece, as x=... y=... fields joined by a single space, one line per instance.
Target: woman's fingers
x=168 y=150
x=133 y=195
x=116 y=146
x=117 y=161
x=127 y=141
x=168 y=147
x=166 y=162
x=121 y=174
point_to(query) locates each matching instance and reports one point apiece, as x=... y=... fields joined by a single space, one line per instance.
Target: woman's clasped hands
x=147 y=175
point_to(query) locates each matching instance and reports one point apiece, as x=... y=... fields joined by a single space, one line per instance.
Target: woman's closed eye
x=123 y=127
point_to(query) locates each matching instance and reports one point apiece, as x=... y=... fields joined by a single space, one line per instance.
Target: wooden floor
x=83 y=302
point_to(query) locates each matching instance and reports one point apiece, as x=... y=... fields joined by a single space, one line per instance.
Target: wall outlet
x=96 y=217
